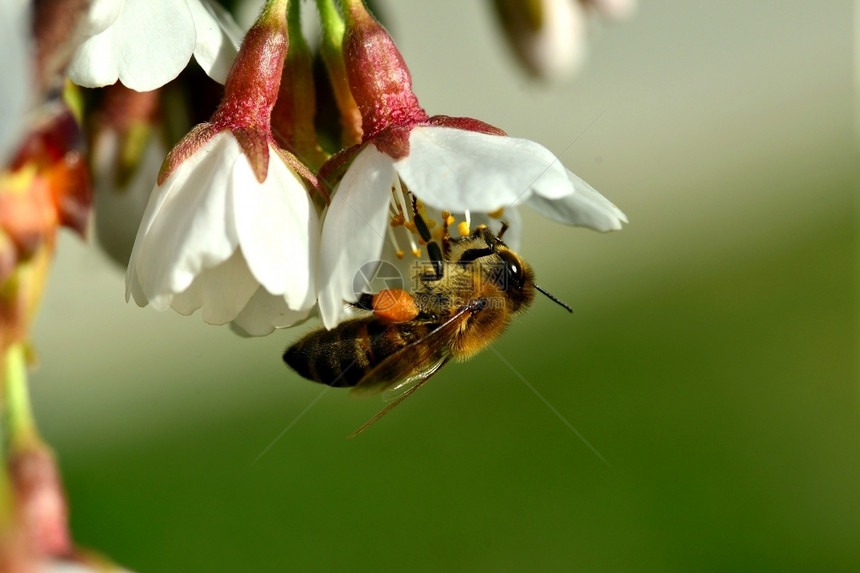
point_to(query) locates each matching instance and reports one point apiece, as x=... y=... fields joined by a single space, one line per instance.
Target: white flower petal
x=218 y=38
x=100 y=15
x=186 y=302
x=460 y=170
x=147 y=45
x=354 y=229
x=278 y=228
x=585 y=208
x=222 y=291
x=94 y=61
x=188 y=224
x=157 y=198
x=15 y=69
x=133 y=288
x=264 y=313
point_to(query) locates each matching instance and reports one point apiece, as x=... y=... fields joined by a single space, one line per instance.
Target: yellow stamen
x=497 y=214
x=393 y=238
x=412 y=245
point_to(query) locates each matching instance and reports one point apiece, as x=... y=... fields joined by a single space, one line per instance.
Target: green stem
x=20 y=425
x=7 y=499
x=331 y=50
x=293 y=115
x=332 y=23
x=17 y=429
x=294 y=20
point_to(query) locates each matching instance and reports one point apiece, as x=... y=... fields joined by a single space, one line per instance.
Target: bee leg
x=364 y=302
x=489 y=238
x=446 y=236
x=503 y=229
x=436 y=258
x=472 y=255
x=433 y=249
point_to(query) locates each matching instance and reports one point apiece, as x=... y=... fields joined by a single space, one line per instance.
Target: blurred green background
x=711 y=357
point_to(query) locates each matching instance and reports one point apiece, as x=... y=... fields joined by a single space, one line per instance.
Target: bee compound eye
x=513 y=271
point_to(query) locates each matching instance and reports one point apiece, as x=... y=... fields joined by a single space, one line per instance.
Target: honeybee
x=465 y=297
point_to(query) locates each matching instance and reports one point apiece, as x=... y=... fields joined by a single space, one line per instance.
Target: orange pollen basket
x=395 y=305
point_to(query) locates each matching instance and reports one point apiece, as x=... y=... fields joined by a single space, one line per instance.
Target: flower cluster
x=256 y=217
x=232 y=224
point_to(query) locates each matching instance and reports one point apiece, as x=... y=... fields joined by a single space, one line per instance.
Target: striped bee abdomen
x=344 y=355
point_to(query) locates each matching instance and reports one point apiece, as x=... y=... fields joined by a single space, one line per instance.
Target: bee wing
x=429 y=349
x=394 y=391
x=411 y=390
x=429 y=346
x=385 y=380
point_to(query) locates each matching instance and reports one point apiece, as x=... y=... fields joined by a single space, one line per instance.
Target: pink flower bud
x=378 y=76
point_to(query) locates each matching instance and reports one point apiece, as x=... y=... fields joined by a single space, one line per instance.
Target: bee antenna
x=553 y=299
